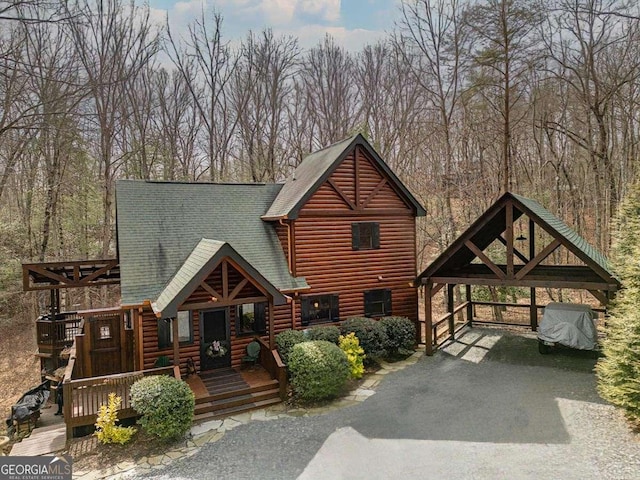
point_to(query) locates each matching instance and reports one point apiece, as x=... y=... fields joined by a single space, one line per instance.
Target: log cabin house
x=204 y=269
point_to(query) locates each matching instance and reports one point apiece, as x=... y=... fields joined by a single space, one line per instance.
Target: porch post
x=176 y=341
x=428 y=330
x=272 y=340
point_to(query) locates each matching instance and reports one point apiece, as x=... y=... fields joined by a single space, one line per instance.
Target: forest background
x=463 y=99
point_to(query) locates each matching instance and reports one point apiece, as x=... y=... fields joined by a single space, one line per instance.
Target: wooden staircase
x=227 y=392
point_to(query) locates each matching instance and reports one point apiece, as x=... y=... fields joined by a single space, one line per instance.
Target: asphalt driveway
x=488 y=406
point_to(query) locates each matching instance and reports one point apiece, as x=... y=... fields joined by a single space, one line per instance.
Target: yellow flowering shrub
x=350 y=345
x=106 y=429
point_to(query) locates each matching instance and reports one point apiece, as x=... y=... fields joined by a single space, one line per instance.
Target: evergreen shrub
x=318 y=369
x=618 y=371
x=286 y=340
x=370 y=333
x=329 y=333
x=166 y=405
x=401 y=335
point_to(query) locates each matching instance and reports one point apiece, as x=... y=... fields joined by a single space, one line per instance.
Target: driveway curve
x=487 y=406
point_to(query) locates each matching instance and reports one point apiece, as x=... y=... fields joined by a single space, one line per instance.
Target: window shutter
x=304 y=311
x=335 y=308
x=260 y=312
x=375 y=234
x=355 y=236
x=387 y=302
x=367 y=303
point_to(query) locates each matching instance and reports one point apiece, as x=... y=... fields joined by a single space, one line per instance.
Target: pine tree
x=618 y=371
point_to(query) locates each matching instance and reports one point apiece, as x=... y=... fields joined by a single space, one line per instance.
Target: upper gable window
x=365 y=235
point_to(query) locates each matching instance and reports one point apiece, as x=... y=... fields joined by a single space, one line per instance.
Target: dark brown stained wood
x=548 y=250
x=486 y=260
x=72 y=274
x=516 y=252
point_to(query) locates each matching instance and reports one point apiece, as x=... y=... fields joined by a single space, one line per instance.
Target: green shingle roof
x=195 y=269
x=492 y=223
x=316 y=168
x=160 y=224
x=566 y=232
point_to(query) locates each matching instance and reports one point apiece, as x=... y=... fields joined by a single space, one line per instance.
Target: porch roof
x=198 y=265
x=160 y=223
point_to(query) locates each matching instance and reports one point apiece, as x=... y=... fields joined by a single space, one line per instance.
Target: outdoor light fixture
x=521 y=238
x=316 y=304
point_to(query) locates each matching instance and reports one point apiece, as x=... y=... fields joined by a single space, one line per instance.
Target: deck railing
x=272 y=363
x=57 y=331
x=83 y=397
x=446 y=327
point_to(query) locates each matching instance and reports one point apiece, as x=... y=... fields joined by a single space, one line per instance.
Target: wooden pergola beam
x=548 y=250
x=486 y=260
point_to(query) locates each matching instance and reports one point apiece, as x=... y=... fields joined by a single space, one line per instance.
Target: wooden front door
x=215 y=339
x=105 y=345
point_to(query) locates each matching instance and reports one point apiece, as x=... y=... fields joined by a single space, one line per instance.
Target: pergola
x=457 y=265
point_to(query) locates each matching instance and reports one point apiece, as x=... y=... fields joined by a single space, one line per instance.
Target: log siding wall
x=357 y=191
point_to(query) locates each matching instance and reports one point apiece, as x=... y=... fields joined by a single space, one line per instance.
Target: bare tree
x=331 y=99
x=595 y=54
x=262 y=85
x=114 y=42
x=207 y=66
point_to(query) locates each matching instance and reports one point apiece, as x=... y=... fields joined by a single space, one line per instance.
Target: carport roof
x=455 y=265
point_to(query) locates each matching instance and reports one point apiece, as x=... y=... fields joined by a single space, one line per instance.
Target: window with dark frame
x=319 y=309
x=365 y=235
x=377 y=303
x=185 y=330
x=251 y=319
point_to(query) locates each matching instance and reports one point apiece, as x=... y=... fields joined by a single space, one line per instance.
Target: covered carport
x=465 y=262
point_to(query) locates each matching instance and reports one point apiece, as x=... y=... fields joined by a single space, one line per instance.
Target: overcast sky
x=352 y=22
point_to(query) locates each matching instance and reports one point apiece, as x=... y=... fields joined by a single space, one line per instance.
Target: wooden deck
x=49 y=435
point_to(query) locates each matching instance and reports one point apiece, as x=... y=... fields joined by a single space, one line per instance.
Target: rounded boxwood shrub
x=318 y=369
x=286 y=340
x=401 y=334
x=371 y=334
x=329 y=333
x=166 y=405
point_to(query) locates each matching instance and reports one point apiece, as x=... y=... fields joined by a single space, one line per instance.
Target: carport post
x=533 y=311
x=452 y=323
x=469 y=306
x=428 y=340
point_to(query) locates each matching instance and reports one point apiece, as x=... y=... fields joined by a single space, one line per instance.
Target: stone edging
x=214 y=430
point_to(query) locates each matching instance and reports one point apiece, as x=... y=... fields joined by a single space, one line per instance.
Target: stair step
x=203 y=417
x=236 y=401
x=238 y=392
